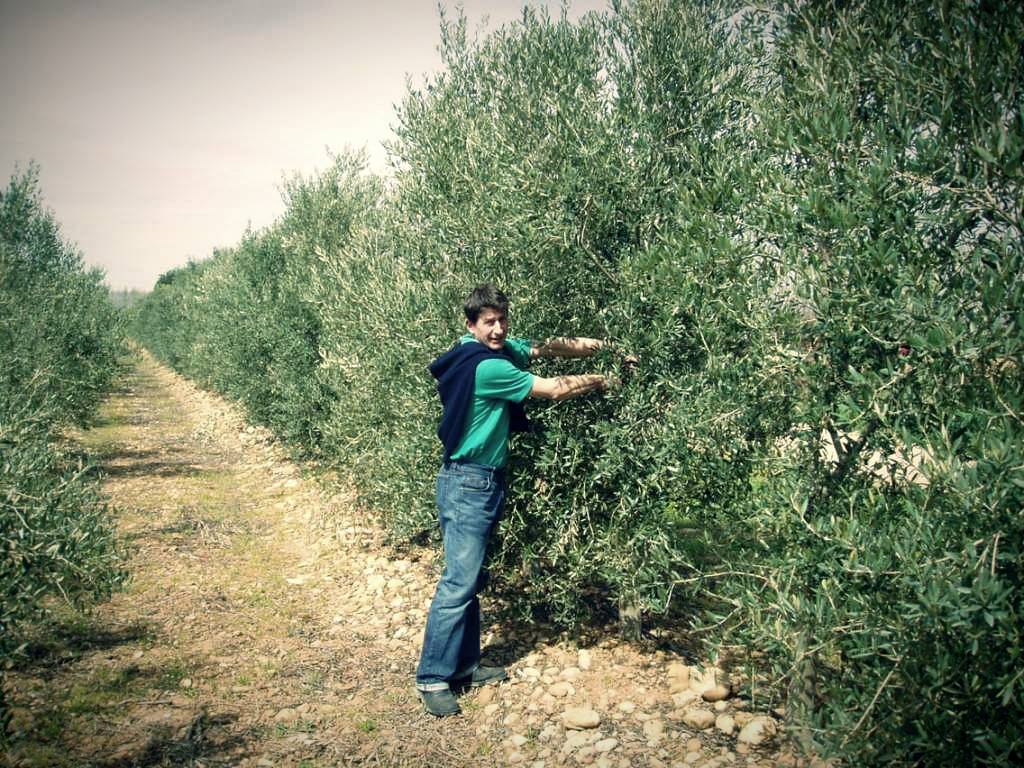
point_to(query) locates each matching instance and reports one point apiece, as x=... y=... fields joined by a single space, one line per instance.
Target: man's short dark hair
x=483 y=297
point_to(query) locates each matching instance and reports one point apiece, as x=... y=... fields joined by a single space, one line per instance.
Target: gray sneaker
x=439 y=703
x=482 y=676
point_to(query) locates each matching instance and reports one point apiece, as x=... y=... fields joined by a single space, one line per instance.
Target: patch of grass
x=37 y=755
x=280 y=730
x=368 y=725
x=65 y=633
x=44 y=724
x=313 y=680
x=102 y=689
x=172 y=674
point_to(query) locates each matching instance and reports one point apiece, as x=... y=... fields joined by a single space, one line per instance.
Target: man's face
x=490 y=328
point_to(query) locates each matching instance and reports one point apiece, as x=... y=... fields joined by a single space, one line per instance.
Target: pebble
x=575 y=741
x=628 y=707
x=606 y=745
x=698 y=718
x=485 y=696
x=518 y=740
x=757 y=731
x=716 y=693
x=678 y=677
x=683 y=698
x=569 y=673
x=561 y=690
x=654 y=730
x=725 y=724
x=580 y=717
x=583 y=659
x=286 y=716
x=694 y=745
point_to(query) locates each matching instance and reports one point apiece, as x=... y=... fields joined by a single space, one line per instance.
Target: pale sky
x=163 y=129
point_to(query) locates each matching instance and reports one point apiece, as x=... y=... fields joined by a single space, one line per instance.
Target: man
x=482 y=382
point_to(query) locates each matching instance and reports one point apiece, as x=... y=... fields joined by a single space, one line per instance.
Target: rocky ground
x=267 y=625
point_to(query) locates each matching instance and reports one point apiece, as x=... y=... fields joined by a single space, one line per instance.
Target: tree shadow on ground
x=520 y=630
x=62 y=638
x=138 y=467
x=120 y=462
x=205 y=738
x=72 y=725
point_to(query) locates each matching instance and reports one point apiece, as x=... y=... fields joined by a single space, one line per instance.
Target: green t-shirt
x=498 y=382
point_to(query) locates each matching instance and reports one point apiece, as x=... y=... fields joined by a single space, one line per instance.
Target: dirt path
x=252 y=636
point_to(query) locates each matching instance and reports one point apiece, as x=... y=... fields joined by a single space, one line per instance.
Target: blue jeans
x=470 y=499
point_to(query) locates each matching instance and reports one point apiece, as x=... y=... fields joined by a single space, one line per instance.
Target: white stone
x=702 y=679
x=757 y=731
x=580 y=717
x=517 y=739
x=583 y=659
x=725 y=724
x=654 y=730
x=561 y=690
x=486 y=695
x=717 y=692
x=683 y=698
x=678 y=677
x=606 y=745
x=698 y=718
x=569 y=673
x=577 y=739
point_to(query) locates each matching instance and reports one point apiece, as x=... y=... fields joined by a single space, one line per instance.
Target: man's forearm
x=568 y=346
x=568 y=387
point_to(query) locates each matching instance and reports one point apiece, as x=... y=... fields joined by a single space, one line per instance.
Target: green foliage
x=60 y=338
x=806 y=222
x=897 y=208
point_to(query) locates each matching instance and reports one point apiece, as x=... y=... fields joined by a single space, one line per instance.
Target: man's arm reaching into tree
x=567 y=346
x=568 y=387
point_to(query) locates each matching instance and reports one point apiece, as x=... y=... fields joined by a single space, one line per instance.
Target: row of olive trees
x=805 y=221
x=60 y=339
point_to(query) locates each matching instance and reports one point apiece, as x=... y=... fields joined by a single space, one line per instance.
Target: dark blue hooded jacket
x=455 y=372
